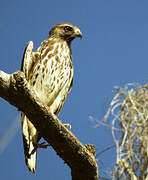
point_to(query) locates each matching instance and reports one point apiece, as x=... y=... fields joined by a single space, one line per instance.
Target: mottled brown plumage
x=50 y=72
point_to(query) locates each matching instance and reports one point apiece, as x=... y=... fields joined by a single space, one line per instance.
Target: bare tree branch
x=14 y=89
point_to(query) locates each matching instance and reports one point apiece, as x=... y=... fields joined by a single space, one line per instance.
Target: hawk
x=50 y=73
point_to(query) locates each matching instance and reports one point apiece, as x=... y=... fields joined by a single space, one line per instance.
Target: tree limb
x=14 y=89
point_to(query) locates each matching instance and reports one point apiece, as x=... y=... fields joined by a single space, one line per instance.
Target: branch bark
x=14 y=89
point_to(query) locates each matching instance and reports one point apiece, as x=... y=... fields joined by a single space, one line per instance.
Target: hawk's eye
x=68 y=28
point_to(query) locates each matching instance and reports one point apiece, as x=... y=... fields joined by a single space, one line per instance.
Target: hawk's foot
x=67 y=125
x=41 y=145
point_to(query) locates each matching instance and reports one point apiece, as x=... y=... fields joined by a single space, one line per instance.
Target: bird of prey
x=49 y=72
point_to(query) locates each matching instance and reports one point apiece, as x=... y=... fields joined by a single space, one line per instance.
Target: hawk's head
x=65 y=31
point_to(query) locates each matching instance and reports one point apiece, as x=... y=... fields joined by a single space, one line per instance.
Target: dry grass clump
x=129 y=127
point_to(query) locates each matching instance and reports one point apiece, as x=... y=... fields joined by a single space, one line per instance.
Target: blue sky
x=113 y=51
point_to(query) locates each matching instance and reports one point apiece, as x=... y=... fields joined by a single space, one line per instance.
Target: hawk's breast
x=53 y=74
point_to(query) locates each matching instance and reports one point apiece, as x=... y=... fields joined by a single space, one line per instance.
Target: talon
x=41 y=145
x=67 y=125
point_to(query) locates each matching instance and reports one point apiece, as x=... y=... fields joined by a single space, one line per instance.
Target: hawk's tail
x=30 y=141
x=31 y=160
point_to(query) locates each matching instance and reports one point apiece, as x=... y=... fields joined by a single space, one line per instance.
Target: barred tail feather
x=30 y=140
x=31 y=161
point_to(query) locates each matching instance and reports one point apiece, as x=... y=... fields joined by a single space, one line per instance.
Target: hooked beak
x=78 y=33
